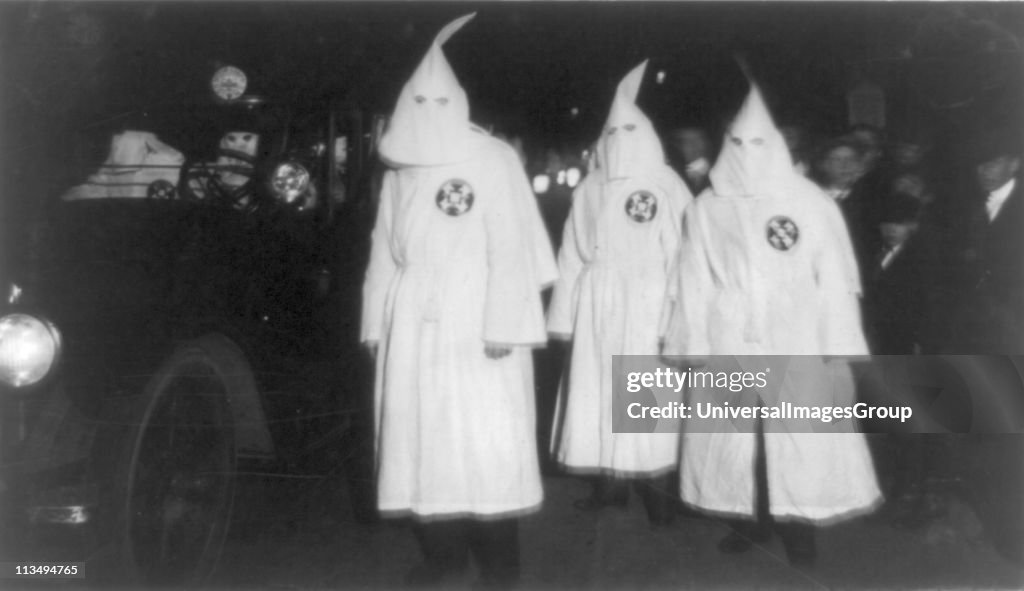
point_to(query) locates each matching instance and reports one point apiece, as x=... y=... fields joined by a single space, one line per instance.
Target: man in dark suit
x=897 y=287
x=839 y=171
x=899 y=279
x=990 y=320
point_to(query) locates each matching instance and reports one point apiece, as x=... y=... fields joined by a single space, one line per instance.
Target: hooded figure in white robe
x=767 y=268
x=613 y=295
x=458 y=261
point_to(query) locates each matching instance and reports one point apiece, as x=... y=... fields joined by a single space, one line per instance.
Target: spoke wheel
x=178 y=474
x=196 y=182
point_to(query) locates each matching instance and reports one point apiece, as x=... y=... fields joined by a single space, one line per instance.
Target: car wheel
x=175 y=483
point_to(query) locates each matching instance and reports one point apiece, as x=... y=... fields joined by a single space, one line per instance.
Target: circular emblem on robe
x=455 y=197
x=782 y=233
x=641 y=206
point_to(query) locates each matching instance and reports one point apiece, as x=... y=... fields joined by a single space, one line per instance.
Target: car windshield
x=202 y=131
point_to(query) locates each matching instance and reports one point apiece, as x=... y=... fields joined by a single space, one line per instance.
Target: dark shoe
x=659 y=501
x=496 y=548
x=613 y=492
x=661 y=512
x=445 y=547
x=606 y=491
x=737 y=543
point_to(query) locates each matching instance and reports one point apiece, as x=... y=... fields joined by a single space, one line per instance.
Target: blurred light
x=572 y=176
x=290 y=181
x=29 y=348
x=541 y=184
x=72 y=515
x=660 y=78
x=341 y=149
x=575 y=111
x=15 y=294
x=561 y=177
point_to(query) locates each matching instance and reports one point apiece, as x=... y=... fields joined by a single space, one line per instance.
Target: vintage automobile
x=184 y=317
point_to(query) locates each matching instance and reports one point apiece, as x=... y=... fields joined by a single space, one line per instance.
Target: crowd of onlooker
x=941 y=258
x=939 y=272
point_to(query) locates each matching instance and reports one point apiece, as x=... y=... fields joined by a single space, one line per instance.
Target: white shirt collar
x=698 y=167
x=838 y=194
x=890 y=254
x=997 y=198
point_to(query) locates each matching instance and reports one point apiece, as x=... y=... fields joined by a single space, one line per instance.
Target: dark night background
x=546 y=72
x=66 y=67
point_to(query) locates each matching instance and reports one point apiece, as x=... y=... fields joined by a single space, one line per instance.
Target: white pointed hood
x=629 y=146
x=754 y=159
x=430 y=124
x=755 y=162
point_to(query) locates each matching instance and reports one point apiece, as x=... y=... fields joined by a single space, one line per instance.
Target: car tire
x=174 y=483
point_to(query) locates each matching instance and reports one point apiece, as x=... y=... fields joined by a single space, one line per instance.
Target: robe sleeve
x=562 y=309
x=840 y=329
x=679 y=197
x=519 y=262
x=687 y=332
x=382 y=267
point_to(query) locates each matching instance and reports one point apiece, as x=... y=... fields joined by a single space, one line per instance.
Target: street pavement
x=300 y=533
x=305 y=537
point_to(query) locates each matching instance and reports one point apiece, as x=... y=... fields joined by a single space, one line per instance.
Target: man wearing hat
x=839 y=171
x=990 y=316
x=990 y=320
x=451 y=308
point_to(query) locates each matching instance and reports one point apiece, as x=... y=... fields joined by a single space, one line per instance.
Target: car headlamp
x=290 y=182
x=29 y=349
x=573 y=176
x=541 y=184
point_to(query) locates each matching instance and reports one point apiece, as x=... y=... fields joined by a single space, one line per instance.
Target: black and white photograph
x=511 y=294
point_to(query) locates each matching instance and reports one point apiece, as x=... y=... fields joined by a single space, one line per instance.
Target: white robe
x=455 y=430
x=137 y=160
x=613 y=297
x=740 y=295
